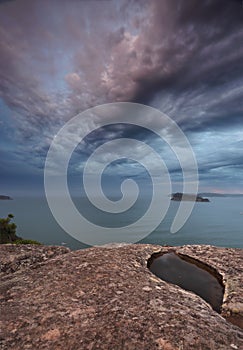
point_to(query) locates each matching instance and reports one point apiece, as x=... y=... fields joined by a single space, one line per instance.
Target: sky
x=60 y=57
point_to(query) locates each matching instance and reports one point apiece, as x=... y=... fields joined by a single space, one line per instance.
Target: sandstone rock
x=13 y=258
x=106 y=298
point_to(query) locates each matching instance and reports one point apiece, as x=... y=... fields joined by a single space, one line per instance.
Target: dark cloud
x=97 y=58
x=202 y=47
x=3 y=1
x=60 y=57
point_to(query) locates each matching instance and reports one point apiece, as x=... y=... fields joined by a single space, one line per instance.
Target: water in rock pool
x=171 y=268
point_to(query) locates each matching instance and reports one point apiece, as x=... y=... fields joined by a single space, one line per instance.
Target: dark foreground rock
x=106 y=298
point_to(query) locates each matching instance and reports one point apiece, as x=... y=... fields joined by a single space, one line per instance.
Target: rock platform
x=106 y=298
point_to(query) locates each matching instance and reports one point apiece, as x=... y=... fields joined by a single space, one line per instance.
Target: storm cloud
x=58 y=58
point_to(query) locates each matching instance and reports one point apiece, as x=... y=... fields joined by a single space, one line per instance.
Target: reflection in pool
x=174 y=268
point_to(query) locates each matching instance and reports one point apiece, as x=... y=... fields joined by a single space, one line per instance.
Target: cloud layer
x=61 y=57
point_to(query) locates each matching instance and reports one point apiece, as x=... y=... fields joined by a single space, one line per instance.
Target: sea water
x=219 y=222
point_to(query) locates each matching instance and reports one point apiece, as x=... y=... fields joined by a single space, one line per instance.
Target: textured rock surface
x=106 y=298
x=13 y=258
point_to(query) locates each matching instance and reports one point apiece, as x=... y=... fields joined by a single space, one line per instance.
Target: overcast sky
x=60 y=57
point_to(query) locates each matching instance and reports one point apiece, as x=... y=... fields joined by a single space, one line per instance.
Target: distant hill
x=212 y=194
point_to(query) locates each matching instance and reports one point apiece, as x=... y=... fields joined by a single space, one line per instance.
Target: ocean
x=219 y=223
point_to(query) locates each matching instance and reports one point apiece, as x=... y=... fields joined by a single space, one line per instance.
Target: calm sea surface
x=219 y=223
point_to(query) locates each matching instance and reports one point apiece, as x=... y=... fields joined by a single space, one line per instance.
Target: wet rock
x=106 y=298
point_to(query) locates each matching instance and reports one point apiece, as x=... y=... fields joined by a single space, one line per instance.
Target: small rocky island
x=178 y=196
x=2 y=197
